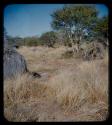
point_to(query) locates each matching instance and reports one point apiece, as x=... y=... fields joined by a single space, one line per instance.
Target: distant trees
x=32 y=41
x=27 y=41
x=49 y=38
x=15 y=41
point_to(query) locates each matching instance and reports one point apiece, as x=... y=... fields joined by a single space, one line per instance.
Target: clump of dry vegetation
x=69 y=89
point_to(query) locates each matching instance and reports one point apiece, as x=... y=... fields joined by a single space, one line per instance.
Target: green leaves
x=48 y=38
x=78 y=22
x=73 y=15
x=102 y=26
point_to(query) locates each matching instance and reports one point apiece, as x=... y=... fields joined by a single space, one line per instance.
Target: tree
x=101 y=29
x=49 y=38
x=76 y=21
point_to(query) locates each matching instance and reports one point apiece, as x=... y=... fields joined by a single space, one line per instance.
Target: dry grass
x=69 y=90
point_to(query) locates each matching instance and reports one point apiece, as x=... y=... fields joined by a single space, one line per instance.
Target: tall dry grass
x=79 y=88
x=84 y=85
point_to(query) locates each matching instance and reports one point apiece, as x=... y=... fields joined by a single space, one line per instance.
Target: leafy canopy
x=77 y=16
x=48 y=38
x=101 y=27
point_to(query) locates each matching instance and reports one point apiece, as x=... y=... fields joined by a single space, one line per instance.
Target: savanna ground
x=70 y=89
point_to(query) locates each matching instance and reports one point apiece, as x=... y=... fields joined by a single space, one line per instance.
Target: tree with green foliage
x=49 y=38
x=76 y=21
x=101 y=29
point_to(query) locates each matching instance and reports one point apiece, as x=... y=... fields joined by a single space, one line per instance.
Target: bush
x=94 y=50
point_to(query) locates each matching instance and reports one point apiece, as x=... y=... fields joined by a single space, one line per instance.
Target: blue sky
x=33 y=19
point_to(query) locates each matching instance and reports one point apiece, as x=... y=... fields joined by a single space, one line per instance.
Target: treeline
x=47 y=39
x=72 y=25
